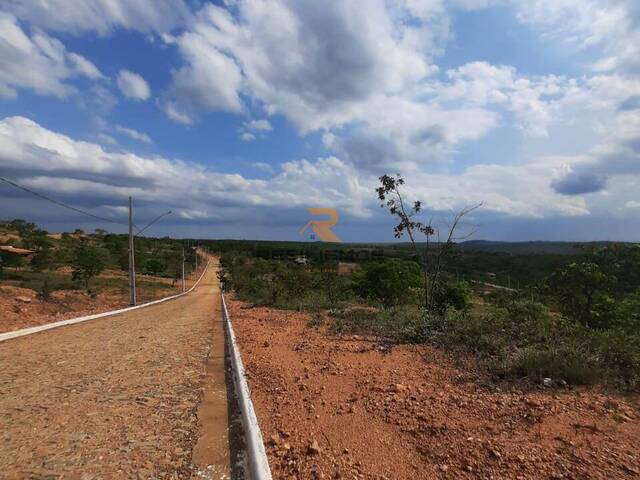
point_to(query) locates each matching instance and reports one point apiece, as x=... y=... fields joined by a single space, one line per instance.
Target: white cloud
x=315 y=63
x=26 y=145
x=253 y=129
x=133 y=134
x=102 y=16
x=84 y=66
x=263 y=166
x=258 y=126
x=534 y=101
x=37 y=61
x=513 y=190
x=613 y=25
x=106 y=138
x=247 y=137
x=133 y=86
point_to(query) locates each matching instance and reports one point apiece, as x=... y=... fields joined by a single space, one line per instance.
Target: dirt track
x=347 y=408
x=111 y=398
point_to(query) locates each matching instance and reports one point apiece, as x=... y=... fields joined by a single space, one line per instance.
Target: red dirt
x=21 y=307
x=408 y=413
x=115 y=398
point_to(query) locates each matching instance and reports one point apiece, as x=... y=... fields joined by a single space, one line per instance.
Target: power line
x=64 y=205
x=152 y=222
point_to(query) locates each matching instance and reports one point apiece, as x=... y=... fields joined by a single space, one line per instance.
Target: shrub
x=452 y=294
x=391 y=282
x=44 y=292
x=404 y=323
x=570 y=365
x=619 y=351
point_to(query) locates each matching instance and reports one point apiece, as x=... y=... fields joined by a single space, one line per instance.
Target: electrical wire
x=64 y=205
x=83 y=212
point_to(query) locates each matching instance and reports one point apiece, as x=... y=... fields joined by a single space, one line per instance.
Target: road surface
x=119 y=397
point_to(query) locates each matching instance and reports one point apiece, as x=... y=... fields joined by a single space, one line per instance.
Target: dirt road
x=119 y=397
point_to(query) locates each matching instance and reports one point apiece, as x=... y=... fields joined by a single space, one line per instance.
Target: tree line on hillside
x=576 y=321
x=90 y=254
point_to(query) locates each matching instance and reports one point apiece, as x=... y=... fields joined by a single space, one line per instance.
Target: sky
x=240 y=115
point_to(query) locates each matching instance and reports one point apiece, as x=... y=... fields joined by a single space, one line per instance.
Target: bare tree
x=390 y=196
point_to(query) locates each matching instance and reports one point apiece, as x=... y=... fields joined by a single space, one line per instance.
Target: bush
x=452 y=294
x=619 y=351
x=391 y=282
x=283 y=285
x=44 y=292
x=404 y=324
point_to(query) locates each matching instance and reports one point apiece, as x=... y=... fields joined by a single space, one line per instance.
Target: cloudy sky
x=239 y=115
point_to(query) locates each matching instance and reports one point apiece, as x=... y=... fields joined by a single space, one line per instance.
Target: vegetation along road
x=119 y=397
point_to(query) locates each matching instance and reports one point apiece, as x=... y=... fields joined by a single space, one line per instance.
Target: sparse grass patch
x=572 y=366
x=401 y=324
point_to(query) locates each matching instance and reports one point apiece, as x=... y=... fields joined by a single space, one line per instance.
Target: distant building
x=301 y=260
x=11 y=256
x=16 y=250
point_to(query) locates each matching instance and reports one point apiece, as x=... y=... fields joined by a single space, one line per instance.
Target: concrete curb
x=72 y=321
x=256 y=454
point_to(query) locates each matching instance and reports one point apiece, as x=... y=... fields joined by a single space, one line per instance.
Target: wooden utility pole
x=132 y=258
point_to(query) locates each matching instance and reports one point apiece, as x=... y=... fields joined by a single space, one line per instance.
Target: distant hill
x=562 y=248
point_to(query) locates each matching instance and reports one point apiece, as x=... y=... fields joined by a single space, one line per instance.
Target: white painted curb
x=257 y=456
x=71 y=321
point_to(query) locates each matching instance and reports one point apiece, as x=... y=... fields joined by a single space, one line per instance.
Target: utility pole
x=183 y=287
x=132 y=259
x=196 y=260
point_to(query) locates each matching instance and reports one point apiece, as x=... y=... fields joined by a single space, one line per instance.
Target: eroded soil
x=345 y=407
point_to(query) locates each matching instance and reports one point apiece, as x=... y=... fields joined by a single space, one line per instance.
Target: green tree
x=153 y=266
x=88 y=262
x=42 y=258
x=391 y=282
x=581 y=290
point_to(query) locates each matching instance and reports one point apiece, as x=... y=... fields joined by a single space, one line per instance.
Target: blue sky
x=240 y=115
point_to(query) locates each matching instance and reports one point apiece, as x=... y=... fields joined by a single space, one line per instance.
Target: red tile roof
x=16 y=250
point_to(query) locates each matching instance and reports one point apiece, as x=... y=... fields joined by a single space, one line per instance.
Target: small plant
x=44 y=293
x=316 y=320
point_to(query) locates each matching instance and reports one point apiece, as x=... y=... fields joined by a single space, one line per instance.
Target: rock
x=313 y=448
x=23 y=299
x=399 y=388
x=547 y=382
x=532 y=403
x=610 y=404
x=444 y=468
x=274 y=439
